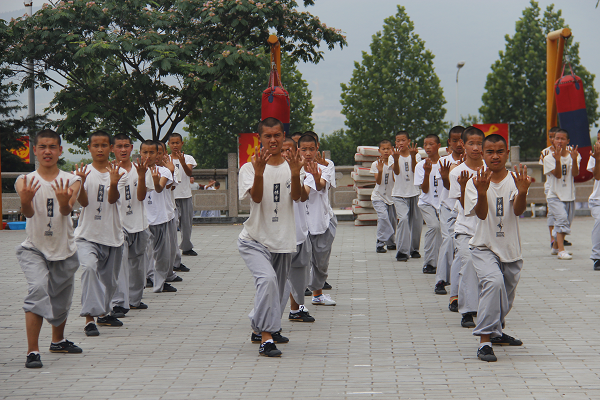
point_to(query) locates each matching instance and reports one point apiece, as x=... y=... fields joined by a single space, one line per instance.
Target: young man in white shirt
x=132 y=277
x=497 y=198
x=544 y=153
x=381 y=198
x=99 y=234
x=265 y=243
x=48 y=256
x=427 y=177
x=560 y=168
x=406 y=196
x=594 y=202
x=447 y=209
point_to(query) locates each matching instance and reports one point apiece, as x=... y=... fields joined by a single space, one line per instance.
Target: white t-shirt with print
x=48 y=231
x=383 y=192
x=318 y=208
x=183 y=189
x=133 y=211
x=463 y=224
x=158 y=205
x=404 y=183
x=563 y=188
x=590 y=167
x=100 y=222
x=432 y=197
x=499 y=232
x=271 y=222
x=444 y=199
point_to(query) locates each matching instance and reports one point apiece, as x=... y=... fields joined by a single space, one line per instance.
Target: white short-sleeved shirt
x=158 y=205
x=383 y=192
x=271 y=221
x=301 y=224
x=404 y=183
x=465 y=225
x=100 y=221
x=590 y=167
x=563 y=188
x=444 y=199
x=318 y=209
x=48 y=231
x=183 y=189
x=133 y=211
x=541 y=162
x=328 y=172
x=435 y=184
x=499 y=232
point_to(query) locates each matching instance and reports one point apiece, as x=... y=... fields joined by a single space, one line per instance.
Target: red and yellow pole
x=555 y=45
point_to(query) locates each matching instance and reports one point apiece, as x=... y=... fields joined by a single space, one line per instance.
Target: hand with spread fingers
x=141 y=168
x=259 y=160
x=445 y=169
x=482 y=181
x=521 y=179
x=427 y=166
x=396 y=154
x=574 y=152
x=414 y=149
x=463 y=178
x=312 y=168
x=168 y=163
x=115 y=174
x=295 y=161
x=320 y=159
x=380 y=163
x=63 y=192
x=28 y=191
x=81 y=171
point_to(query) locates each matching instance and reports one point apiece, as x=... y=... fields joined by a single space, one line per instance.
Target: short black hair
x=122 y=136
x=149 y=143
x=385 y=141
x=402 y=133
x=100 y=133
x=161 y=144
x=472 y=131
x=563 y=131
x=290 y=140
x=298 y=133
x=175 y=134
x=307 y=138
x=554 y=129
x=46 y=133
x=217 y=184
x=270 y=122
x=456 y=129
x=311 y=133
x=494 y=138
x=433 y=136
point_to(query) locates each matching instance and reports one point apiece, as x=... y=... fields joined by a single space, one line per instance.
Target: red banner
x=23 y=152
x=247 y=143
x=498 y=129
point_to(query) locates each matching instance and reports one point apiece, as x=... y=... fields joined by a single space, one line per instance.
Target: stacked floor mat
x=364 y=182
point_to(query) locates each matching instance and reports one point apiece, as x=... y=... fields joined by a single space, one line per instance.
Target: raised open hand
x=82 y=172
x=414 y=149
x=63 y=192
x=396 y=153
x=445 y=169
x=574 y=152
x=295 y=160
x=557 y=152
x=482 y=180
x=115 y=174
x=521 y=179
x=259 y=160
x=463 y=178
x=28 y=190
x=380 y=163
x=312 y=168
x=596 y=150
x=167 y=162
x=178 y=155
x=427 y=166
x=320 y=159
x=141 y=168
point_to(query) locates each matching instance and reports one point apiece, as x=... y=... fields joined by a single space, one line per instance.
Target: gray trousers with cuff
x=161 y=261
x=100 y=266
x=175 y=253
x=467 y=284
x=595 y=209
x=410 y=223
x=563 y=213
x=433 y=235
x=132 y=277
x=270 y=271
x=300 y=271
x=50 y=284
x=446 y=255
x=498 y=283
x=386 y=223
x=185 y=208
x=321 y=251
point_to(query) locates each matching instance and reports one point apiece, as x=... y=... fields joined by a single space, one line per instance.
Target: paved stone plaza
x=389 y=337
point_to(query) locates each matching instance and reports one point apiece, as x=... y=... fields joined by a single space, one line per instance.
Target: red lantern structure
x=275 y=99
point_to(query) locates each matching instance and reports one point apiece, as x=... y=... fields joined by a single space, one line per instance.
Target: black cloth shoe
x=149 y=283
x=326 y=286
x=177 y=279
x=307 y=292
x=415 y=254
x=269 y=349
x=91 y=330
x=189 y=253
x=440 y=288
x=119 y=312
x=506 y=340
x=33 y=361
x=141 y=306
x=169 y=288
x=567 y=243
x=467 y=321
x=380 y=249
x=401 y=256
x=302 y=316
x=108 y=320
x=429 y=269
x=453 y=306
x=596 y=265
x=391 y=247
x=277 y=338
x=181 y=268
x=486 y=353
x=65 y=347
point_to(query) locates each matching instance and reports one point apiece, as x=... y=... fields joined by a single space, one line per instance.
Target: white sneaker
x=563 y=255
x=323 y=300
x=555 y=252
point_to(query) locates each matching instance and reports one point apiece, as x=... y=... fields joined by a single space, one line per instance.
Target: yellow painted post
x=555 y=44
x=275 y=53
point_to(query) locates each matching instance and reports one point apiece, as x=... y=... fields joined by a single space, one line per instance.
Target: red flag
x=23 y=152
x=498 y=129
x=247 y=143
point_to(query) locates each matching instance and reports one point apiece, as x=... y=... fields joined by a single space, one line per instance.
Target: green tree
x=235 y=108
x=121 y=62
x=393 y=88
x=515 y=90
x=340 y=145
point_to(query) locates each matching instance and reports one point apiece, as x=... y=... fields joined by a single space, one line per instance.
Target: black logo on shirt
x=50 y=208
x=435 y=185
x=406 y=169
x=499 y=206
x=387 y=178
x=127 y=193
x=276 y=200
x=100 y=197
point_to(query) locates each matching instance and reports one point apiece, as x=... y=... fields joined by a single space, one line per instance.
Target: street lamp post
x=459 y=66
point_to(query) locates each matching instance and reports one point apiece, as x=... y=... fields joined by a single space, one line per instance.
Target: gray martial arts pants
x=100 y=266
x=595 y=209
x=132 y=277
x=446 y=255
x=299 y=274
x=410 y=223
x=549 y=215
x=467 y=284
x=563 y=213
x=498 y=285
x=162 y=260
x=174 y=249
x=433 y=236
x=386 y=223
x=50 y=284
x=185 y=208
x=321 y=251
x=270 y=271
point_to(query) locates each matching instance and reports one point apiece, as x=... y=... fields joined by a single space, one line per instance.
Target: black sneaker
x=567 y=243
x=415 y=254
x=33 y=361
x=453 y=306
x=181 y=268
x=277 y=338
x=108 y=320
x=429 y=269
x=401 y=256
x=596 y=265
x=177 y=279
x=486 y=353
x=149 y=283
x=307 y=292
x=65 y=347
x=440 y=288
x=141 y=306
x=168 y=288
x=467 y=321
x=326 y=286
x=391 y=247
x=506 y=340
x=269 y=349
x=302 y=316
x=380 y=249
x=119 y=312
x=189 y=253
x=91 y=330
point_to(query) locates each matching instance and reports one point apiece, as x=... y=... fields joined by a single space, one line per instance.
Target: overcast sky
x=469 y=30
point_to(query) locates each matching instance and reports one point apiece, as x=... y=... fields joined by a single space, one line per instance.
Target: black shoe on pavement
x=269 y=349
x=415 y=254
x=141 y=306
x=177 y=279
x=440 y=288
x=301 y=316
x=506 y=340
x=149 y=283
x=189 y=253
x=181 y=268
x=453 y=306
x=169 y=288
x=429 y=269
x=91 y=330
x=326 y=286
x=486 y=353
x=65 y=347
x=380 y=249
x=33 y=361
x=307 y=292
x=596 y=265
x=108 y=320
x=467 y=321
x=567 y=243
x=401 y=256
x=391 y=247
x=277 y=338
x=119 y=312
